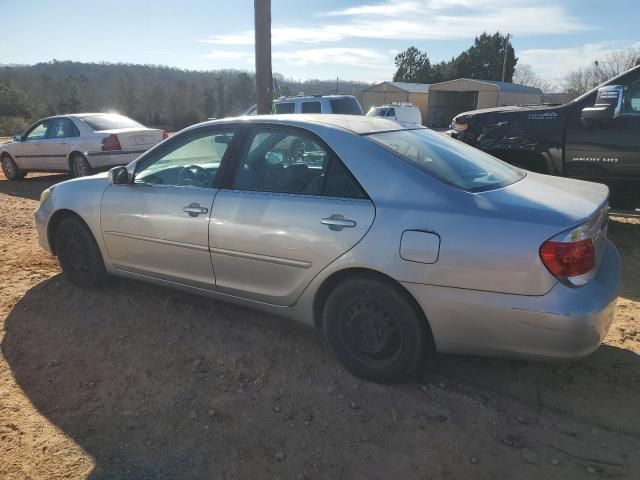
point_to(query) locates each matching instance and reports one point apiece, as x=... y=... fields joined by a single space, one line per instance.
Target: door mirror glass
x=608 y=104
x=118 y=176
x=17 y=138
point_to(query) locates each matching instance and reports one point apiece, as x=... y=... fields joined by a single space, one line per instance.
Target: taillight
x=165 y=134
x=570 y=256
x=111 y=143
x=460 y=127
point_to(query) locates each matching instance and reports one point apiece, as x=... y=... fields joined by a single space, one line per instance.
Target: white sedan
x=77 y=144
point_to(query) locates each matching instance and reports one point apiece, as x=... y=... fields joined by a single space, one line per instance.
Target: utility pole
x=504 y=63
x=264 y=76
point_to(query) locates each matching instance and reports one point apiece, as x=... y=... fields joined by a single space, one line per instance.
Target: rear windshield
x=109 y=122
x=345 y=106
x=451 y=161
x=381 y=112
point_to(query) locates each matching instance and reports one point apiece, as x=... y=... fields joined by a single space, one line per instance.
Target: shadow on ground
x=30 y=187
x=159 y=384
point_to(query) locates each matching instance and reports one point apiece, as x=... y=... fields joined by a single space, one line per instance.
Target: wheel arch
x=55 y=221
x=538 y=162
x=333 y=280
x=72 y=154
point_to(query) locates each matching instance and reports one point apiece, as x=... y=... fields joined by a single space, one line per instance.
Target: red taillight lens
x=568 y=259
x=111 y=143
x=165 y=134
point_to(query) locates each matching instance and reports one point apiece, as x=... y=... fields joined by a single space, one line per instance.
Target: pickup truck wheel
x=375 y=330
x=79 y=166
x=10 y=169
x=78 y=254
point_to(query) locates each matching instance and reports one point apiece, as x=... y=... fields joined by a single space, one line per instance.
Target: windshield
x=378 y=112
x=451 y=161
x=109 y=122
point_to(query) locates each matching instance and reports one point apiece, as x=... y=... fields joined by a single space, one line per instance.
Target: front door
x=29 y=155
x=608 y=151
x=158 y=226
x=56 y=146
x=292 y=208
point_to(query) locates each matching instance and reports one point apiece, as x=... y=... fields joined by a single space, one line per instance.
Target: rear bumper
x=566 y=323
x=108 y=159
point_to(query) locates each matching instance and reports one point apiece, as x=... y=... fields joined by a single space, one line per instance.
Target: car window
x=62 y=128
x=311 y=107
x=288 y=107
x=448 y=160
x=39 y=131
x=286 y=161
x=193 y=160
x=345 y=106
x=631 y=99
x=109 y=122
x=391 y=112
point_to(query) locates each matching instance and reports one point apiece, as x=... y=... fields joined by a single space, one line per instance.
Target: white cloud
x=228 y=55
x=423 y=20
x=555 y=63
x=354 y=57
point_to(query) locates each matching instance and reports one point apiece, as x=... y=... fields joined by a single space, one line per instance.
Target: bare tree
x=524 y=75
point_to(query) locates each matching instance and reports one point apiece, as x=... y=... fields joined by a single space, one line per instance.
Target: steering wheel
x=193 y=175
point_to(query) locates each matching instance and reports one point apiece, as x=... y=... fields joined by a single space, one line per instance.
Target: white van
x=400 y=111
x=337 y=104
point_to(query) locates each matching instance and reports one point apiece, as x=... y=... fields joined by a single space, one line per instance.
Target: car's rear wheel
x=79 y=166
x=375 y=329
x=78 y=254
x=10 y=169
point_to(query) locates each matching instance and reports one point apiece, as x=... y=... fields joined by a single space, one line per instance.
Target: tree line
x=153 y=95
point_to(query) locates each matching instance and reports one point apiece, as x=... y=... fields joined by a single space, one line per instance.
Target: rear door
x=289 y=210
x=606 y=150
x=55 y=147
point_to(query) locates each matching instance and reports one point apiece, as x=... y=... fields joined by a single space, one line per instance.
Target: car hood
x=506 y=109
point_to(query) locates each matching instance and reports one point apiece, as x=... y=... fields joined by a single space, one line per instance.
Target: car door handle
x=337 y=222
x=195 y=209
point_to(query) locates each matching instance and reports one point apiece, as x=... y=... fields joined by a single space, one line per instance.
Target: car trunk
x=136 y=139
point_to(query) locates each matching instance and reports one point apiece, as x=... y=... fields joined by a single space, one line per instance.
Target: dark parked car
x=594 y=137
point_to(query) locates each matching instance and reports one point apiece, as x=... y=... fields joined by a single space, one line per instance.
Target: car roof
x=310 y=97
x=358 y=124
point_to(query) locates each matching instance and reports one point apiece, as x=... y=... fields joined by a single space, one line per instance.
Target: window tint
x=346 y=106
x=311 y=107
x=631 y=99
x=39 y=131
x=391 y=112
x=110 y=121
x=449 y=160
x=285 y=107
x=284 y=161
x=62 y=128
x=192 y=160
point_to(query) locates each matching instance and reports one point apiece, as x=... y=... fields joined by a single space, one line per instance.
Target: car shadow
x=625 y=233
x=159 y=384
x=30 y=187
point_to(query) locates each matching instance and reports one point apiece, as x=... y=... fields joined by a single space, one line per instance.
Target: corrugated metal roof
x=406 y=86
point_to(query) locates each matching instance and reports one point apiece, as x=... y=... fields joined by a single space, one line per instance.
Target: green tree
x=484 y=60
x=412 y=65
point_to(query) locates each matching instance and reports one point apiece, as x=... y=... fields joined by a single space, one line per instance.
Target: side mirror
x=608 y=104
x=17 y=138
x=118 y=176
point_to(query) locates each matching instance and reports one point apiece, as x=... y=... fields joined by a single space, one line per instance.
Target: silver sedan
x=396 y=241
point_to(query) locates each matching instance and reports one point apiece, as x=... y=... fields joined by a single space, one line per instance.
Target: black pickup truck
x=594 y=137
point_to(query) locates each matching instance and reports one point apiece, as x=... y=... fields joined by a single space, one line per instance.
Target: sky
x=353 y=40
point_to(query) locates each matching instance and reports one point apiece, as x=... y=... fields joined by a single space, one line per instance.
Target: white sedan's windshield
x=451 y=161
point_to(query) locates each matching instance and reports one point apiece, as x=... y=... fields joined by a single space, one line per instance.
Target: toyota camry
x=396 y=241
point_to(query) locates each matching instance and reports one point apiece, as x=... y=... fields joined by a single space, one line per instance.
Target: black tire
x=10 y=169
x=78 y=254
x=79 y=166
x=375 y=330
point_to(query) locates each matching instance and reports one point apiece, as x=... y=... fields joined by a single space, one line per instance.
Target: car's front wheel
x=79 y=166
x=10 y=169
x=375 y=329
x=78 y=254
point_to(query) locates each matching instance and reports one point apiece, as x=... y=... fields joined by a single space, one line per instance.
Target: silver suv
x=340 y=104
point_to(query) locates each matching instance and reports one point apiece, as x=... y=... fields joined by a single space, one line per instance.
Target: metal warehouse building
x=440 y=102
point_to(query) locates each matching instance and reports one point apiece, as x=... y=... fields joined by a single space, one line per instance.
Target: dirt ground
x=137 y=381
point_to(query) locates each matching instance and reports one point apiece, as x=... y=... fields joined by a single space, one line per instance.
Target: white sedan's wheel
x=10 y=169
x=79 y=166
